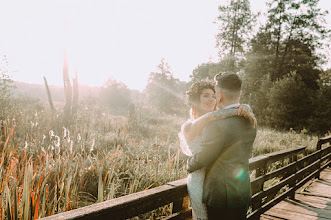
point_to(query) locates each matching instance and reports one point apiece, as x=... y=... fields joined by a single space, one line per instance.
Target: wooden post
x=319 y=148
x=180 y=204
x=259 y=172
x=293 y=182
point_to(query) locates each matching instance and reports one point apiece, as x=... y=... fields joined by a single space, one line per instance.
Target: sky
x=121 y=39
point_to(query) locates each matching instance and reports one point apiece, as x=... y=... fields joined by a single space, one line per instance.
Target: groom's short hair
x=229 y=83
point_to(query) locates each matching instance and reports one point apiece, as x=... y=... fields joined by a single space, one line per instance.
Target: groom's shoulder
x=223 y=123
x=231 y=122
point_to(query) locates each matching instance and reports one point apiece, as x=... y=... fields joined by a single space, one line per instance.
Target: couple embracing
x=218 y=139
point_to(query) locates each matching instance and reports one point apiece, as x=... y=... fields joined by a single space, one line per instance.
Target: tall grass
x=46 y=168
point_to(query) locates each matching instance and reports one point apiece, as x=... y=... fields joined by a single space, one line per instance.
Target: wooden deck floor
x=312 y=202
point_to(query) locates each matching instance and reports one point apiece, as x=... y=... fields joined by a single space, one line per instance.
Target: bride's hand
x=246 y=111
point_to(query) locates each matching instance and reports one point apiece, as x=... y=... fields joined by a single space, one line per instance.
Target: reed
x=46 y=168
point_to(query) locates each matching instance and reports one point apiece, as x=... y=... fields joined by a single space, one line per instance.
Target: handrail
x=294 y=174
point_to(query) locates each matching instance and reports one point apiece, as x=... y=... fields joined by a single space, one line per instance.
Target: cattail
x=57 y=144
x=71 y=145
x=87 y=162
x=92 y=145
x=44 y=137
x=79 y=138
x=26 y=145
x=43 y=150
x=64 y=132
x=57 y=149
x=51 y=133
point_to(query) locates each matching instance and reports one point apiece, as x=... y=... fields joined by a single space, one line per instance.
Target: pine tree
x=235 y=26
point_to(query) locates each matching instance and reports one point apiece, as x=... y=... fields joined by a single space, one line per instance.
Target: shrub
x=290 y=103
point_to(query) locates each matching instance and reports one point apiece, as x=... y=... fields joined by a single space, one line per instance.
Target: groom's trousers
x=215 y=213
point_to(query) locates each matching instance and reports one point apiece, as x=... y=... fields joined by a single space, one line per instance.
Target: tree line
x=280 y=61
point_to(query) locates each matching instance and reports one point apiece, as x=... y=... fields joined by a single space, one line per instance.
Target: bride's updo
x=193 y=96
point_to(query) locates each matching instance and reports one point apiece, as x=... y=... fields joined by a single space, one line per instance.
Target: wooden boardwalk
x=313 y=201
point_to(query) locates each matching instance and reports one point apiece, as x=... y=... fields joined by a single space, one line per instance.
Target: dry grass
x=46 y=168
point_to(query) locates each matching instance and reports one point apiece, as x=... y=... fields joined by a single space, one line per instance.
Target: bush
x=321 y=118
x=115 y=94
x=290 y=103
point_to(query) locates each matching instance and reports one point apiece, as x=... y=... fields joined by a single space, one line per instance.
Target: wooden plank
x=184 y=214
x=308 y=169
x=275 y=156
x=255 y=162
x=326 y=165
x=327 y=156
x=306 y=179
x=326 y=174
x=310 y=156
x=292 y=215
x=320 y=187
x=268 y=217
x=126 y=206
x=324 y=140
x=326 y=151
x=318 y=202
x=281 y=171
x=292 y=206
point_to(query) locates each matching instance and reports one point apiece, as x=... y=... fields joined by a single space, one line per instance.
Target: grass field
x=47 y=168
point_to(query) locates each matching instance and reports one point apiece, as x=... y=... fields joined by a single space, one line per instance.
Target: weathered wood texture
x=291 y=169
x=314 y=202
x=290 y=177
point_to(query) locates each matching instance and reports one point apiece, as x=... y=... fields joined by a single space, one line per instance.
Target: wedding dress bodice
x=195 y=179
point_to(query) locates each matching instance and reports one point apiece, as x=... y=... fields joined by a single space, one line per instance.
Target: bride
x=201 y=97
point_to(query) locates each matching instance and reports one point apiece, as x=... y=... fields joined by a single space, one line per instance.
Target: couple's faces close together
x=207 y=101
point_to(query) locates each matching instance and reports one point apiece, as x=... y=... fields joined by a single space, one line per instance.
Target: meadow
x=48 y=166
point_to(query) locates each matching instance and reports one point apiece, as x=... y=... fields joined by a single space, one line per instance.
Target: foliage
x=290 y=103
x=290 y=25
x=288 y=43
x=52 y=168
x=163 y=90
x=208 y=70
x=115 y=94
x=321 y=117
x=5 y=84
x=235 y=25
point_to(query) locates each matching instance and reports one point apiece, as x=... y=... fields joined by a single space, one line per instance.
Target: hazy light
x=119 y=38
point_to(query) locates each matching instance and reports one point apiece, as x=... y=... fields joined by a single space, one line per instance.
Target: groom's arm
x=213 y=142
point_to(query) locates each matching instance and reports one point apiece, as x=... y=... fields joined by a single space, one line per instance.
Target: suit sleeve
x=213 y=142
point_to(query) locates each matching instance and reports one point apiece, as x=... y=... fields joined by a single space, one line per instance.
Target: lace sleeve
x=183 y=142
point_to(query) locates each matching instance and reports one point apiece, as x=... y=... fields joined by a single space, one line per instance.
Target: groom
x=227 y=145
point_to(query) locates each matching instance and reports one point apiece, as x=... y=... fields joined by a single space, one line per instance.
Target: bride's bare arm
x=193 y=128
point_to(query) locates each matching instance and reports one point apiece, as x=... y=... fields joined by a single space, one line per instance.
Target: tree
x=115 y=94
x=163 y=90
x=292 y=23
x=5 y=84
x=290 y=103
x=321 y=118
x=235 y=25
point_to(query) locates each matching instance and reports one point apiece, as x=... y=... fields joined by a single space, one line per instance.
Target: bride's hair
x=193 y=96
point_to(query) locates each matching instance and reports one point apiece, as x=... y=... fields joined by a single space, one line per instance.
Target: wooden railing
x=291 y=168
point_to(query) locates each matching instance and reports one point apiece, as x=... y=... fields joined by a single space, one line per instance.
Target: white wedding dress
x=195 y=179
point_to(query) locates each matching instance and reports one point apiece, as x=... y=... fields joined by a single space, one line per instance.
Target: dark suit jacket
x=227 y=145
